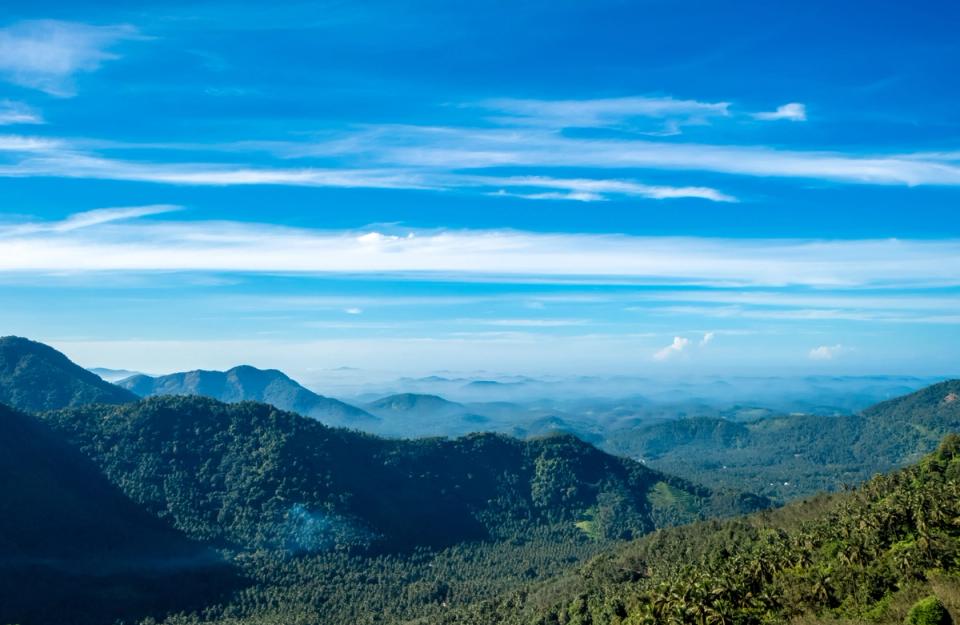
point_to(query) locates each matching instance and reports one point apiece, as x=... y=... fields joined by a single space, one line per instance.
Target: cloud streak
x=55 y=159
x=89 y=219
x=98 y=241
x=12 y=113
x=47 y=54
x=416 y=146
x=604 y=113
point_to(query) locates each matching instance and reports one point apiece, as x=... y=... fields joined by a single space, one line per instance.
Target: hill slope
x=879 y=554
x=251 y=476
x=789 y=456
x=72 y=543
x=416 y=403
x=35 y=377
x=245 y=383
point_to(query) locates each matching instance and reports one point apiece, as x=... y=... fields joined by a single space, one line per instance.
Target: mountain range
x=243 y=513
x=246 y=383
x=145 y=488
x=250 y=476
x=785 y=457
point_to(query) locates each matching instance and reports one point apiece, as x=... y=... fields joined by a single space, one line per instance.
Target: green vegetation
x=335 y=526
x=248 y=476
x=35 y=377
x=72 y=543
x=245 y=383
x=929 y=611
x=862 y=556
x=792 y=456
x=112 y=512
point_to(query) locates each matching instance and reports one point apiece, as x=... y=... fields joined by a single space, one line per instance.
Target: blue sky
x=536 y=187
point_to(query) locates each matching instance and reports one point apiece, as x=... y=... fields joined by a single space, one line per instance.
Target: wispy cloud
x=89 y=219
x=97 y=241
x=827 y=352
x=12 y=113
x=458 y=148
x=59 y=159
x=679 y=345
x=474 y=158
x=606 y=112
x=529 y=323
x=47 y=54
x=587 y=190
x=794 y=111
x=99 y=216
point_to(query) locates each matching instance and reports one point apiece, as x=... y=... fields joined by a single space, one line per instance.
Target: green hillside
x=791 y=456
x=246 y=383
x=72 y=544
x=888 y=552
x=35 y=377
x=250 y=476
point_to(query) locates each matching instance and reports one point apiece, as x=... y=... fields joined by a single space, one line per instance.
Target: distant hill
x=885 y=553
x=245 y=383
x=789 y=456
x=415 y=402
x=251 y=476
x=35 y=377
x=413 y=415
x=113 y=375
x=72 y=543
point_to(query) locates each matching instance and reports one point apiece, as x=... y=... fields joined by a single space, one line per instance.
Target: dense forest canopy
x=35 y=377
x=245 y=514
x=250 y=476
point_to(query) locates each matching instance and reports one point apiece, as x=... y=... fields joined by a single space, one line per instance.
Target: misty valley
x=241 y=497
x=420 y=312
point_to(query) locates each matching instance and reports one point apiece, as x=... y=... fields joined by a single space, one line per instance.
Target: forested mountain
x=789 y=456
x=34 y=377
x=417 y=403
x=245 y=383
x=886 y=553
x=250 y=476
x=71 y=543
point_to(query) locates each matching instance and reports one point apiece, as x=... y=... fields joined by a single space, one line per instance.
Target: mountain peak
x=413 y=401
x=36 y=377
x=248 y=383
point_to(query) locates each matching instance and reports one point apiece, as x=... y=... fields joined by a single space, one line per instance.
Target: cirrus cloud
x=47 y=54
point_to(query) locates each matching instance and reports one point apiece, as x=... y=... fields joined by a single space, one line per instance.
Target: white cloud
x=46 y=54
x=353 y=310
x=794 y=111
x=91 y=218
x=28 y=145
x=99 y=216
x=678 y=345
x=458 y=148
x=590 y=190
x=97 y=241
x=18 y=113
x=604 y=112
x=417 y=157
x=528 y=323
x=707 y=338
x=51 y=158
x=827 y=352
